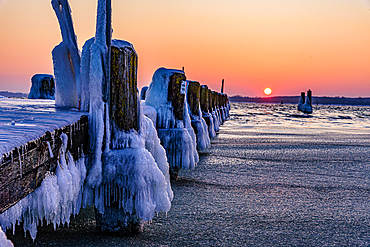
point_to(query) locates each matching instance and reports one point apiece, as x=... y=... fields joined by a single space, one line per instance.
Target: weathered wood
x=23 y=169
x=210 y=99
x=309 y=96
x=194 y=97
x=124 y=107
x=204 y=98
x=214 y=100
x=175 y=96
x=43 y=87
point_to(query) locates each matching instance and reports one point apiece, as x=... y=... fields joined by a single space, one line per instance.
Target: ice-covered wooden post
x=177 y=95
x=301 y=101
x=124 y=104
x=224 y=106
x=207 y=110
x=215 y=114
x=198 y=123
x=220 y=109
x=43 y=87
x=124 y=118
x=66 y=59
x=143 y=93
x=204 y=98
x=309 y=95
x=128 y=179
x=166 y=94
x=307 y=106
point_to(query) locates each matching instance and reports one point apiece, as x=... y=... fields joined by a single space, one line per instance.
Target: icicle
x=50 y=150
x=20 y=162
x=107 y=130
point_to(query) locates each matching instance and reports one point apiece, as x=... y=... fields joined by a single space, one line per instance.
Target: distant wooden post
x=309 y=95
x=303 y=96
x=210 y=101
x=175 y=96
x=205 y=104
x=194 y=97
x=204 y=98
x=143 y=92
x=214 y=100
x=222 y=87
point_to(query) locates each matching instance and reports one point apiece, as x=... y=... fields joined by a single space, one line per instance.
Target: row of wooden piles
x=23 y=169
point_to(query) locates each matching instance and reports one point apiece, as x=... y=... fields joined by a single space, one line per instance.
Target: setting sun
x=267 y=91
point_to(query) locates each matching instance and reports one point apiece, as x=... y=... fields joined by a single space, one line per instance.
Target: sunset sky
x=287 y=45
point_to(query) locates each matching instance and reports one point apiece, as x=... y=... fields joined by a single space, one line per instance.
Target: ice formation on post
x=197 y=121
x=301 y=101
x=206 y=108
x=143 y=93
x=166 y=94
x=58 y=197
x=4 y=242
x=95 y=63
x=149 y=112
x=42 y=87
x=305 y=106
x=66 y=58
x=214 y=111
x=130 y=182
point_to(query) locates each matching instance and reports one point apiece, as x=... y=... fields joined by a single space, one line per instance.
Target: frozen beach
x=270 y=178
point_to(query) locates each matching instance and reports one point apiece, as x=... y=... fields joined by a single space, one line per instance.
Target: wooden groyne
x=129 y=159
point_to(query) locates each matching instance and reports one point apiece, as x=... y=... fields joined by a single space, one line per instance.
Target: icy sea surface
x=272 y=177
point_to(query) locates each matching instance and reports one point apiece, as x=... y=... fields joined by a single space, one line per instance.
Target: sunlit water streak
x=272 y=177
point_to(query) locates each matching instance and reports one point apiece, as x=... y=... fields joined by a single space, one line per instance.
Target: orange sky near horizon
x=287 y=45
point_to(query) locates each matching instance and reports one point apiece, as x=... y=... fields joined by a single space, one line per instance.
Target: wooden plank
x=24 y=168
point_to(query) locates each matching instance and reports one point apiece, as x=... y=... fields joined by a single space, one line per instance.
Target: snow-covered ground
x=24 y=120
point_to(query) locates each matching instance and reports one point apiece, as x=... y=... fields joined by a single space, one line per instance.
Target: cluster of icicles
x=58 y=197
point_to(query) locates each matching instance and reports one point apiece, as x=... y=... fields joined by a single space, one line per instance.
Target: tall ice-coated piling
x=124 y=107
x=124 y=117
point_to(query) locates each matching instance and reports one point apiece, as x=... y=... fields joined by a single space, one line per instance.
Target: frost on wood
x=173 y=120
x=58 y=197
x=42 y=87
x=128 y=181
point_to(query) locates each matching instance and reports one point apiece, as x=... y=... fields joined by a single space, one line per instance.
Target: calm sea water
x=330 y=116
x=272 y=177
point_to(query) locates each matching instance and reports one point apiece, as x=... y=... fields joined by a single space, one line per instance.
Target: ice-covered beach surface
x=24 y=120
x=274 y=180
